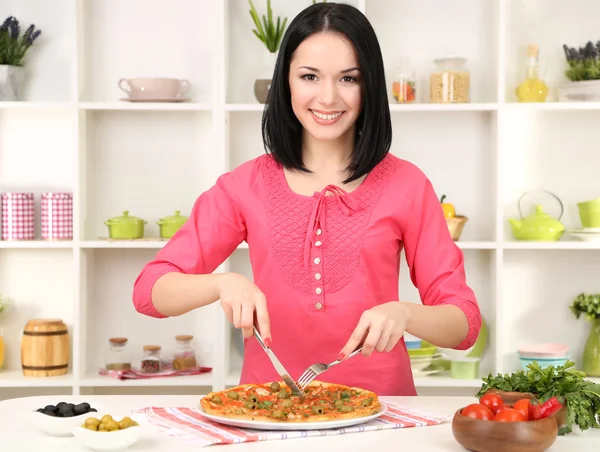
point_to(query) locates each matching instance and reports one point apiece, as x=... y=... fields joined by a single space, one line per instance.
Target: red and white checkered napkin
x=188 y=424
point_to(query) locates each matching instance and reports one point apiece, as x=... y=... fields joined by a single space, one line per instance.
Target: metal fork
x=316 y=369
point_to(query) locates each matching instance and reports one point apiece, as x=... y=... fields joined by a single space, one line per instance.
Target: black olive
x=50 y=413
x=82 y=408
x=40 y=410
x=94 y=410
x=50 y=408
x=68 y=414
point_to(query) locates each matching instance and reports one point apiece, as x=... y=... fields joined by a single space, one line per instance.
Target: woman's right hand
x=240 y=299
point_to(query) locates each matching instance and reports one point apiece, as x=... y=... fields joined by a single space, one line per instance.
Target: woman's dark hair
x=281 y=130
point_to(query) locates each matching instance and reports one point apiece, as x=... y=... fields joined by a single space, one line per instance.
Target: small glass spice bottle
x=118 y=356
x=185 y=354
x=151 y=359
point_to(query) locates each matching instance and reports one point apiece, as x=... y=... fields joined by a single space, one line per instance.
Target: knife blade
x=278 y=366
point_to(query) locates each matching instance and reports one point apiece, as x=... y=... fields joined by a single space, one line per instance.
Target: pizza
x=274 y=402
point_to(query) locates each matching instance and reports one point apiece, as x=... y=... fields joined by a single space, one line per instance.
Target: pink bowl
x=544 y=350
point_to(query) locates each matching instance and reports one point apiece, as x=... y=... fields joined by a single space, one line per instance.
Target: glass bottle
x=117 y=355
x=450 y=81
x=185 y=353
x=404 y=84
x=533 y=88
x=151 y=359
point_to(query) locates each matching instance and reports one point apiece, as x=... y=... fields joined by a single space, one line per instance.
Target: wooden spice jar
x=45 y=348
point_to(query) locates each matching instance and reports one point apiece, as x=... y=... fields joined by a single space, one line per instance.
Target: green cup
x=590 y=217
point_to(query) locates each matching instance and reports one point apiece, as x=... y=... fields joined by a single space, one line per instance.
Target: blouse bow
x=347 y=205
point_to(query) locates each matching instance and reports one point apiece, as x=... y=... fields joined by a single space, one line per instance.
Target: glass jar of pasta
x=450 y=81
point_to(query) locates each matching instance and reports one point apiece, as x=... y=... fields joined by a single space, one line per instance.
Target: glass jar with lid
x=450 y=81
x=185 y=354
x=404 y=83
x=151 y=359
x=118 y=356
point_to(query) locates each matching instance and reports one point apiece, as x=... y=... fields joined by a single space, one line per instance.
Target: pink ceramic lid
x=545 y=349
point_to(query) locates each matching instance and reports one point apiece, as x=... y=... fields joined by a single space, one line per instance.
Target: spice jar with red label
x=185 y=354
x=151 y=359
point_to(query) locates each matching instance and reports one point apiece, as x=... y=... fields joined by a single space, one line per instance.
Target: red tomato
x=492 y=401
x=478 y=411
x=523 y=407
x=501 y=408
x=510 y=415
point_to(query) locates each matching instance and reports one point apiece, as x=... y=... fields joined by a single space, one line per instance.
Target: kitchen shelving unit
x=72 y=133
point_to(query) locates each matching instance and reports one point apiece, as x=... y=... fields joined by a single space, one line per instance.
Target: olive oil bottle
x=533 y=88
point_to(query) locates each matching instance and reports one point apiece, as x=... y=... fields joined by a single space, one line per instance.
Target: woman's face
x=325 y=86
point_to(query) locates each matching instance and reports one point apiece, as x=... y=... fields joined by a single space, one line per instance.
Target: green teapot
x=538 y=226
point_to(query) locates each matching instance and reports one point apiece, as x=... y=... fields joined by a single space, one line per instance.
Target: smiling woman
x=329 y=86
x=326 y=214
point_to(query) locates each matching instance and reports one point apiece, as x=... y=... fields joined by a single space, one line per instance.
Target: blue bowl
x=413 y=344
x=543 y=362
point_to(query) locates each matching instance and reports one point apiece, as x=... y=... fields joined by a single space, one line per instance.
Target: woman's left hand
x=379 y=328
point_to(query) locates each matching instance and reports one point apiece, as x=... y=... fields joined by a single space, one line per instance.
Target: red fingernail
x=268 y=342
x=341 y=356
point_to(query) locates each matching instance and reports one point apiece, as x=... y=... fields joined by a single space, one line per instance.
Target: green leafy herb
x=567 y=384
x=587 y=305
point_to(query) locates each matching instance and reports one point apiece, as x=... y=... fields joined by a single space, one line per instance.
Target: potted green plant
x=588 y=305
x=269 y=32
x=583 y=72
x=13 y=48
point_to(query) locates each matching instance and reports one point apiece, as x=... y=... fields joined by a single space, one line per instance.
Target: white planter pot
x=584 y=91
x=11 y=80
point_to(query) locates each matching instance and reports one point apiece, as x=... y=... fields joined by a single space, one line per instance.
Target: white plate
x=161 y=99
x=295 y=426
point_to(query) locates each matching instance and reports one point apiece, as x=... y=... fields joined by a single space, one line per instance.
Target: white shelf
x=72 y=133
x=188 y=380
x=15 y=379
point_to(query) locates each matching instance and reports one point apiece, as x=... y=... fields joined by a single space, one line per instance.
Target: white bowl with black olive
x=59 y=419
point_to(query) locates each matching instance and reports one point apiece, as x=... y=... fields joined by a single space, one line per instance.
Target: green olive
x=217 y=399
x=345 y=395
x=366 y=402
x=338 y=403
x=233 y=395
x=278 y=414
x=287 y=403
x=275 y=386
x=253 y=398
x=250 y=405
x=283 y=394
x=346 y=409
x=317 y=410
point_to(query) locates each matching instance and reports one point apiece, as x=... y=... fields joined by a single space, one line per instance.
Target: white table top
x=17 y=434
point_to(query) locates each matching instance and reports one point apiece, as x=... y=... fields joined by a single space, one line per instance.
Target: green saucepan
x=125 y=227
x=170 y=225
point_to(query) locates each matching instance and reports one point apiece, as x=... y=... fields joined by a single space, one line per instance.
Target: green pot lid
x=176 y=219
x=124 y=219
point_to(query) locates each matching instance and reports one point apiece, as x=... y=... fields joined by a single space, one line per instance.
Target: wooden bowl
x=493 y=436
x=456 y=225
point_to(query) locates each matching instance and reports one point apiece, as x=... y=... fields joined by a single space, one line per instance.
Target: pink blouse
x=321 y=261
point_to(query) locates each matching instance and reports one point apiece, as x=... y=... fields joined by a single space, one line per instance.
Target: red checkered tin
x=18 y=216
x=57 y=216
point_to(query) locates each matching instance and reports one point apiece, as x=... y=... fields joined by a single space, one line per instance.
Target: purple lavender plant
x=584 y=62
x=13 y=45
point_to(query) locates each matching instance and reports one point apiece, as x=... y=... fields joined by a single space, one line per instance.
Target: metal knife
x=278 y=366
